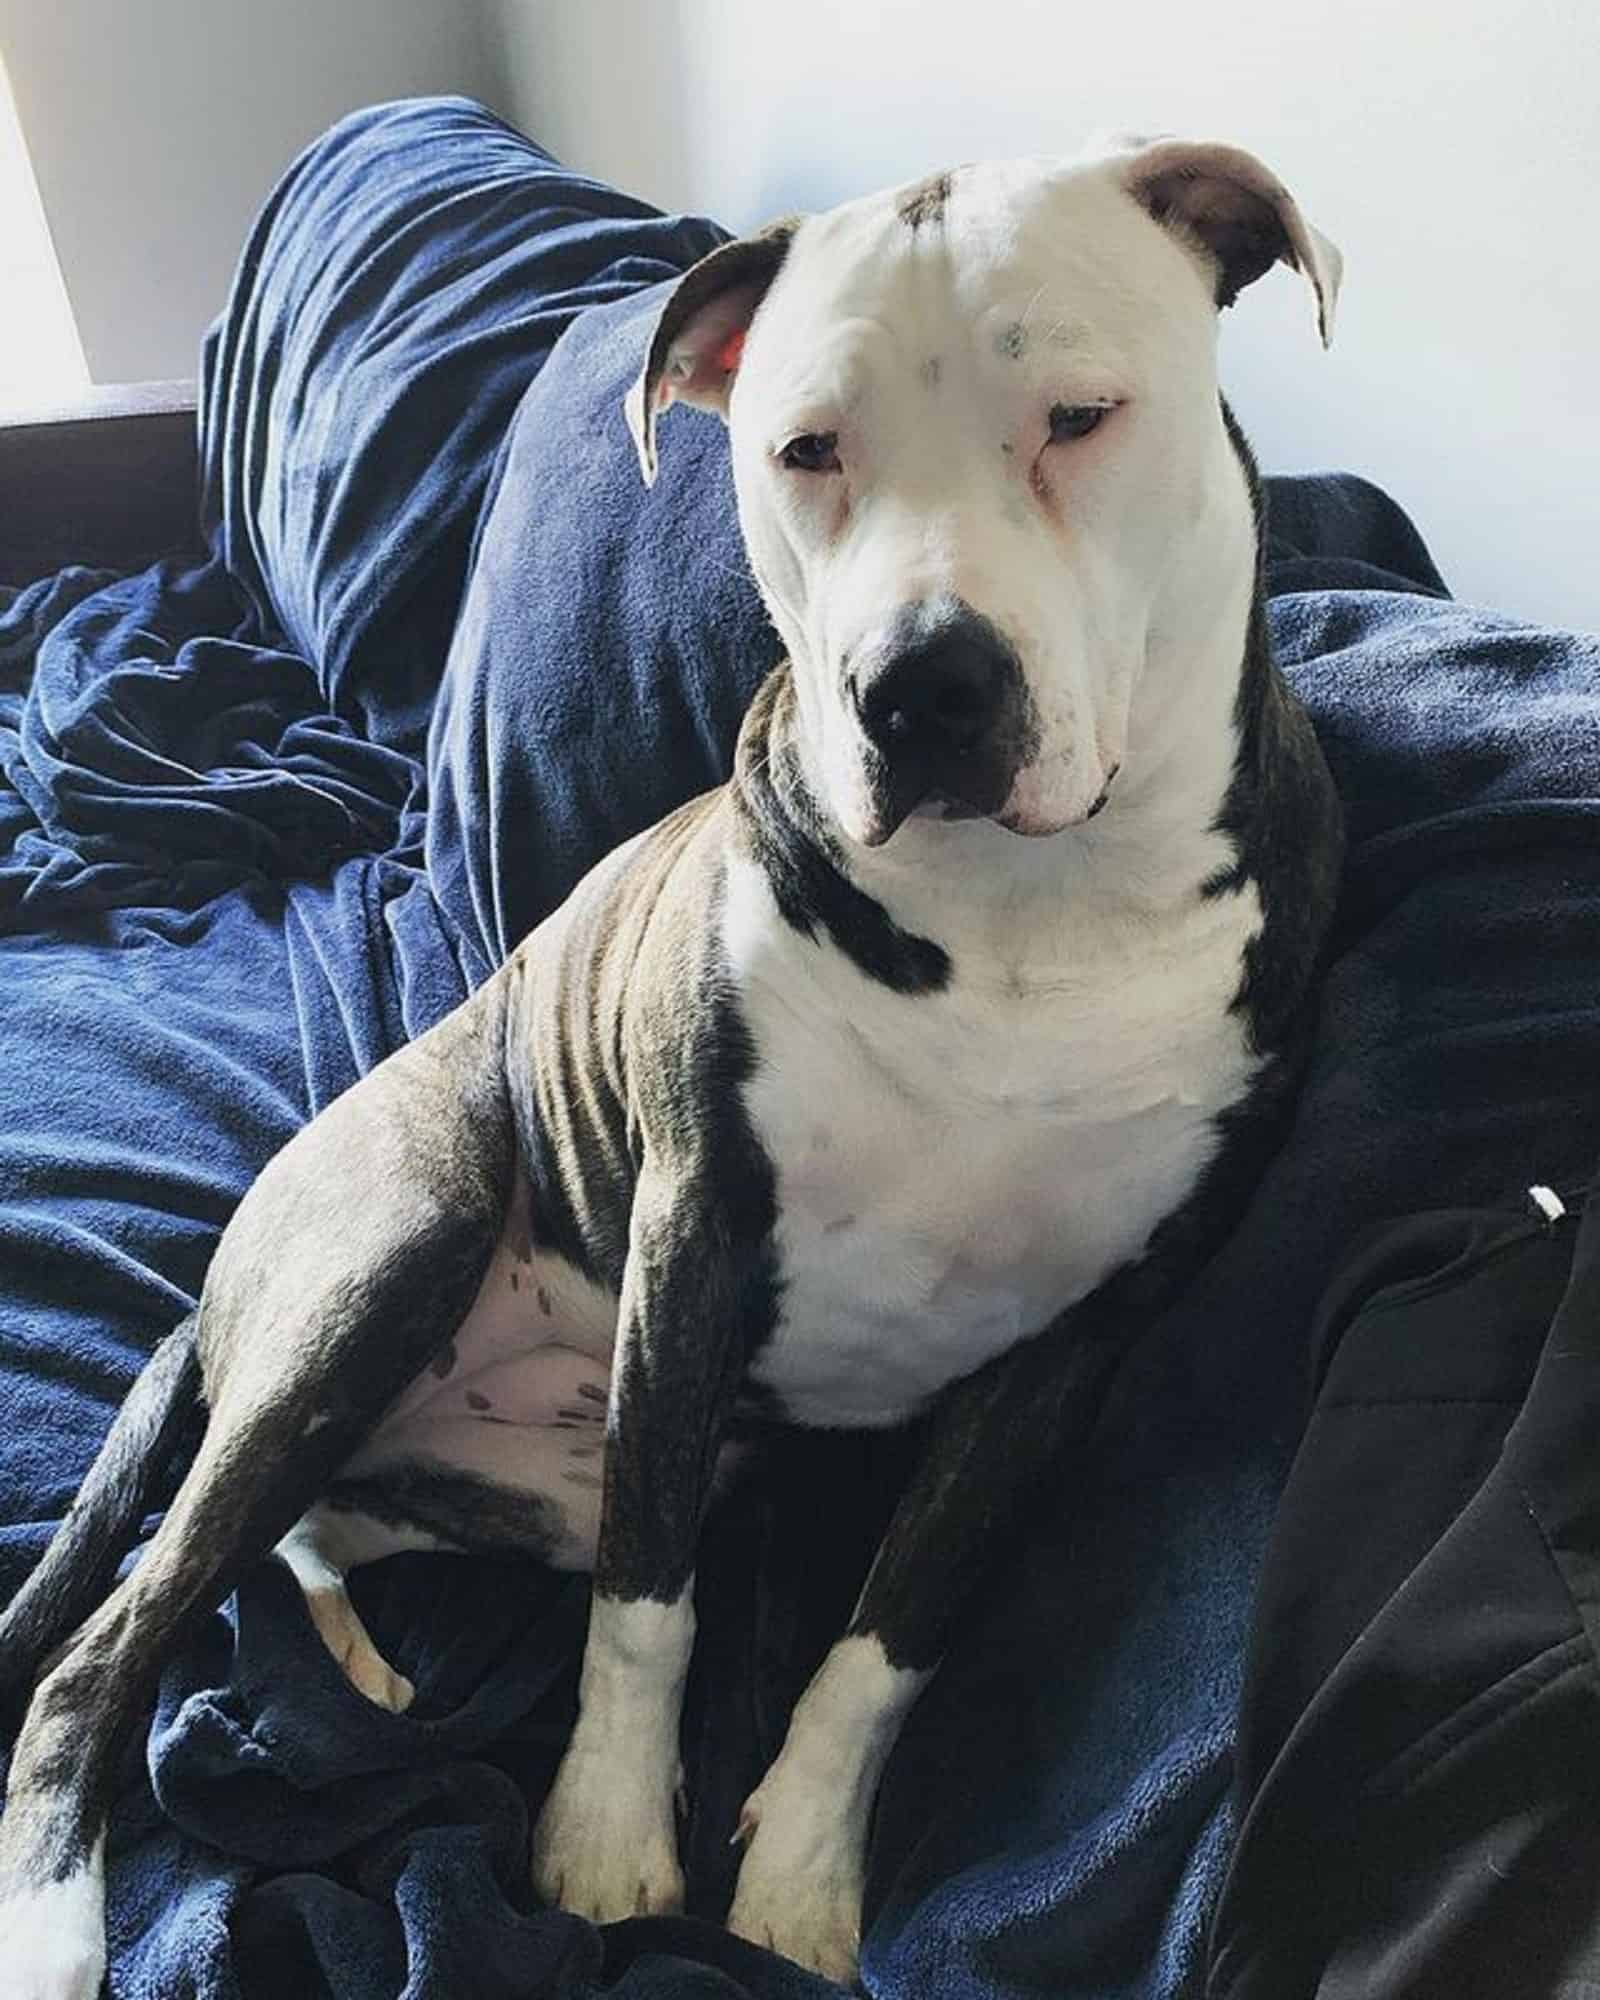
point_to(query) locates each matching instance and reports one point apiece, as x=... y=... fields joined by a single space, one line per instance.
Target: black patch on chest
x=787 y=837
x=1282 y=815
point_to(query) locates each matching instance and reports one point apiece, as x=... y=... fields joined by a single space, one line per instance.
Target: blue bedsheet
x=263 y=820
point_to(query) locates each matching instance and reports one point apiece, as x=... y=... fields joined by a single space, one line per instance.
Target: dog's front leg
x=991 y=1440
x=606 y=1843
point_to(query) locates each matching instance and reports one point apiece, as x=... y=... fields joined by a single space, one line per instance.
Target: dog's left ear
x=1235 y=211
x=694 y=352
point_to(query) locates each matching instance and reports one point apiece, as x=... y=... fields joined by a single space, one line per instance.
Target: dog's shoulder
x=624 y=1049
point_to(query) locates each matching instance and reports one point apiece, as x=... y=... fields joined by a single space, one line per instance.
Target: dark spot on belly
x=591 y=1392
x=516 y=1282
x=578 y=1416
x=585 y=1451
x=445 y=1360
x=478 y=1401
x=839 y=1222
x=932 y=370
x=544 y=1300
x=591 y=1479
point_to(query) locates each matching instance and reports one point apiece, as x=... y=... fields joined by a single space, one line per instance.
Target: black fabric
x=1419 y=1747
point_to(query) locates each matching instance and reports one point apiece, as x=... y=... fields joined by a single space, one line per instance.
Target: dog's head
x=981 y=464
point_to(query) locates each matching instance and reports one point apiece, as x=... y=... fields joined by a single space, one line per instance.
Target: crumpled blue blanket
x=262 y=820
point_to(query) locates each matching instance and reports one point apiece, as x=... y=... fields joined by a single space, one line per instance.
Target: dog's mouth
x=966 y=788
x=938 y=806
x=949 y=808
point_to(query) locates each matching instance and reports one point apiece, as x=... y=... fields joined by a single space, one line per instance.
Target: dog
x=905 y=1075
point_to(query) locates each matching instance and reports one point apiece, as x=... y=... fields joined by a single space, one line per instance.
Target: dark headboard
x=109 y=479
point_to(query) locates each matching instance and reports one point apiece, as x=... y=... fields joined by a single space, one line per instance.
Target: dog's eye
x=1074 y=420
x=812 y=451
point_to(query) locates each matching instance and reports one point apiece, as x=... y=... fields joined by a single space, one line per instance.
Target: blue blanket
x=264 y=819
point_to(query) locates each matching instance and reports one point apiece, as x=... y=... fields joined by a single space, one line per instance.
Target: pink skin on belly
x=519 y=1396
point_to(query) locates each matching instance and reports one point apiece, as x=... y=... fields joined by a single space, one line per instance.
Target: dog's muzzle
x=943 y=707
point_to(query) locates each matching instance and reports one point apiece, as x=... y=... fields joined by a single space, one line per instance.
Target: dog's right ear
x=694 y=352
x=1224 y=204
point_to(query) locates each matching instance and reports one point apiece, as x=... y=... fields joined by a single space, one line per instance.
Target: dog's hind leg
x=353 y=1258
x=319 y=1550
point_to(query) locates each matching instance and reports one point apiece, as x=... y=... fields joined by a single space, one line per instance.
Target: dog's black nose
x=938 y=693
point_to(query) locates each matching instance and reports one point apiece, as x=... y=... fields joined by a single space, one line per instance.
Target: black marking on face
x=461 y=1508
x=923 y=206
x=1011 y=341
x=785 y=833
x=1282 y=815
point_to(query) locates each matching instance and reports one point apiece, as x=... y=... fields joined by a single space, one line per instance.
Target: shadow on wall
x=554 y=73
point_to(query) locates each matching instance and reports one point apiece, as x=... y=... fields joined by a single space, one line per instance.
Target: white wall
x=1452 y=149
x=156 y=127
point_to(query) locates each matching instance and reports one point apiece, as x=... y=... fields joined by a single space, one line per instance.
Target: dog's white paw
x=604 y=1847
x=52 y=1938
x=799 y=1890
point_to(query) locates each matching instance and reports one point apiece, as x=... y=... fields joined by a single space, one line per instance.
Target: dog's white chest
x=954 y=1169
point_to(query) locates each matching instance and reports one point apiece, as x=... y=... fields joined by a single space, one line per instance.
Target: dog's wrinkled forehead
x=1142 y=243
x=998 y=242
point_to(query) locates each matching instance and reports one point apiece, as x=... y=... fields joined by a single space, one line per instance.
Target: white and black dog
x=908 y=1072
